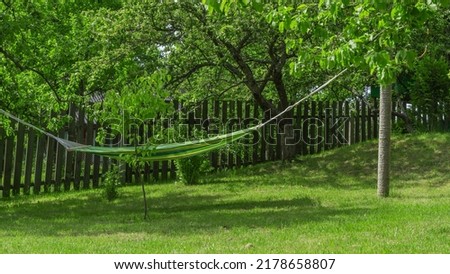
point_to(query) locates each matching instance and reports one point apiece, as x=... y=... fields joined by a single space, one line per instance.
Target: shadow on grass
x=178 y=215
x=414 y=158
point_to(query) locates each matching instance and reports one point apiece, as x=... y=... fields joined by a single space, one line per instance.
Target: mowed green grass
x=324 y=203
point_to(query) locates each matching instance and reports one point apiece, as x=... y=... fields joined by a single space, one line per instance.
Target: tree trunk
x=288 y=147
x=286 y=131
x=384 y=141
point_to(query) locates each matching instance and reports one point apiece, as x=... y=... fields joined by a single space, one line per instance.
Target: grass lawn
x=319 y=204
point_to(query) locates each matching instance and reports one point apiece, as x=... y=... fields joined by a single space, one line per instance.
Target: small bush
x=190 y=169
x=111 y=181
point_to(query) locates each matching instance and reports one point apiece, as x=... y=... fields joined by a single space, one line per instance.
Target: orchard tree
x=235 y=55
x=369 y=35
x=54 y=54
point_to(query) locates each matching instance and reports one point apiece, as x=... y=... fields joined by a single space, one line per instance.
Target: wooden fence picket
x=19 y=155
x=8 y=165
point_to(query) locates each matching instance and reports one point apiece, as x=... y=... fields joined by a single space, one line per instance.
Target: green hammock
x=164 y=151
x=168 y=151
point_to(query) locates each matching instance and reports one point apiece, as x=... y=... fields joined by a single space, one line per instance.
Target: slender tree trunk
x=384 y=142
x=145 y=200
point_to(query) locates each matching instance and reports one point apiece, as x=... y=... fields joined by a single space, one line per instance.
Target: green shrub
x=111 y=182
x=190 y=169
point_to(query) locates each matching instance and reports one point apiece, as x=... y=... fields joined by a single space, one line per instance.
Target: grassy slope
x=320 y=204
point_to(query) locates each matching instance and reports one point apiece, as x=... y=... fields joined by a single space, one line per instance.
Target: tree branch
x=179 y=79
x=25 y=68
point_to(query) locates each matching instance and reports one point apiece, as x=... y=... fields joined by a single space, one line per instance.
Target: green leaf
x=281 y=27
x=293 y=25
x=258 y=6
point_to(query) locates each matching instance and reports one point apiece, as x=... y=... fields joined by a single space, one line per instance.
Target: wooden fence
x=33 y=163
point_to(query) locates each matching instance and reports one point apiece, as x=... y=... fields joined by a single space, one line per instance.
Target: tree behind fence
x=34 y=163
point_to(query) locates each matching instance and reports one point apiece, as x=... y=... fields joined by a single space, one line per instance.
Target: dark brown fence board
x=305 y=127
x=230 y=121
x=106 y=161
x=320 y=125
x=96 y=172
x=369 y=123
x=173 y=168
x=42 y=143
x=246 y=124
x=147 y=172
x=156 y=170
x=224 y=118
x=59 y=166
x=265 y=138
x=375 y=120
x=164 y=170
x=20 y=143
x=205 y=111
x=328 y=123
x=299 y=123
x=313 y=129
x=334 y=125
x=239 y=116
x=2 y=152
x=31 y=146
x=341 y=119
x=8 y=165
x=215 y=155
x=50 y=160
x=79 y=156
x=88 y=158
x=257 y=137
x=70 y=156
x=347 y=122
x=357 y=130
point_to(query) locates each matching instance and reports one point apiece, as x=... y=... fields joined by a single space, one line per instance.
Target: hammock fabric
x=164 y=151
x=168 y=151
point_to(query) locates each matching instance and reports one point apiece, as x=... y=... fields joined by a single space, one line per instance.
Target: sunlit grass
x=318 y=204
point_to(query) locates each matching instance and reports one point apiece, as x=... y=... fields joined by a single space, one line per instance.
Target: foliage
x=429 y=86
x=111 y=182
x=41 y=50
x=370 y=35
x=191 y=169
